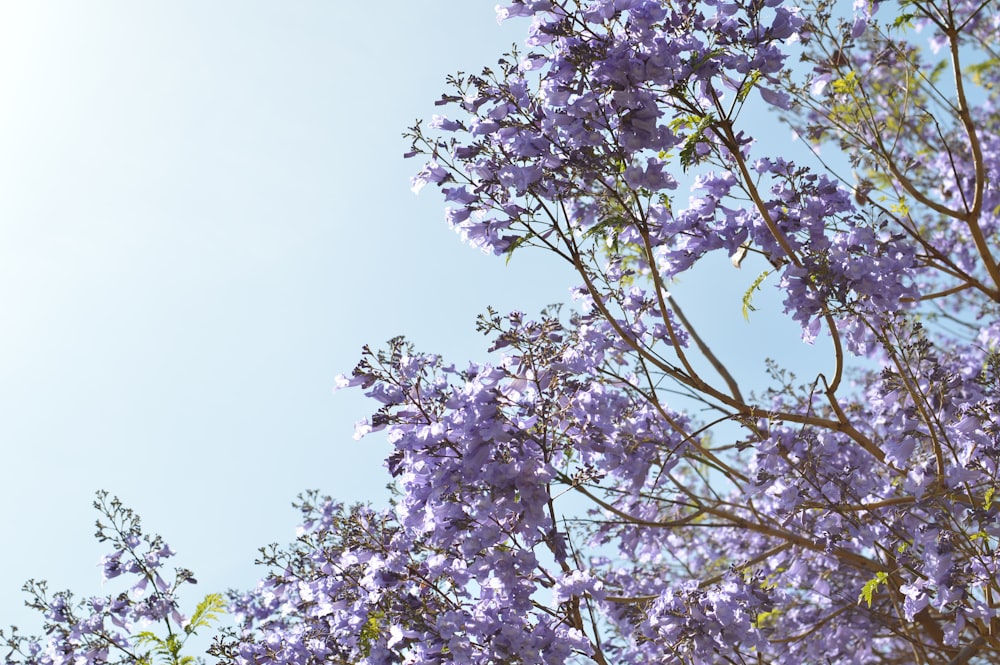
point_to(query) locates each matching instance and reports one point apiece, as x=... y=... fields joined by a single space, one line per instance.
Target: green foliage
x=167 y=651
x=748 y=85
x=748 y=296
x=978 y=70
x=900 y=207
x=370 y=632
x=845 y=85
x=764 y=619
x=904 y=21
x=609 y=227
x=697 y=125
x=868 y=590
x=206 y=613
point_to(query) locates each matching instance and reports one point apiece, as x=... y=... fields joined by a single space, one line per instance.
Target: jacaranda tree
x=140 y=624
x=607 y=490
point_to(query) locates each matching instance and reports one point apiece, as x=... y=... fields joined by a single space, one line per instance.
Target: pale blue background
x=204 y=215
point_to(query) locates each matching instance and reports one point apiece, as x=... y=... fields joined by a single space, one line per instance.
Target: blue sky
x=204 y=214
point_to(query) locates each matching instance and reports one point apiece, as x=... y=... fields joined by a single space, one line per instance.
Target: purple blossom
x=607 y=487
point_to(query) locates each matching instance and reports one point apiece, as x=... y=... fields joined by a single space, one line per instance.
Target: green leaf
x=683 y=122
x=900 y=207
x=870 y=586
x=979 y=69
x=988 y=498
x=763 y=618
x=370 y=632
x=146 y=638
x=518 y=241
x=173 y=647
x=166 y=650
x=748 y=296
x=689 y=154
x=845 y=85
x=207 y=612
x=748 y=85
x=612 y=225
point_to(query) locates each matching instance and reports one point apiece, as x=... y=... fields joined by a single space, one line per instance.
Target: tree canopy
x=607 y=489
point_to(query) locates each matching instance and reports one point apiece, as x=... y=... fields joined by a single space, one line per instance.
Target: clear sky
x=204 y=214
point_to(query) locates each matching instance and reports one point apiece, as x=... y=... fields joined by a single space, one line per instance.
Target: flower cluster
x=115 y=628
x=606 y=91
x=357 y=586
x=604 y=490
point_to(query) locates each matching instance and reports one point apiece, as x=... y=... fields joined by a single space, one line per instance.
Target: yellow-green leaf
x=868 y=590
x=748 y=296
x=207 y=611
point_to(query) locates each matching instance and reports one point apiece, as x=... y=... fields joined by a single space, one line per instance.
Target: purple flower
x=431 y=173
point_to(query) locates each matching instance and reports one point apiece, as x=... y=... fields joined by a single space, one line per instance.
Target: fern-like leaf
x=206 y=613
x=748 y=296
